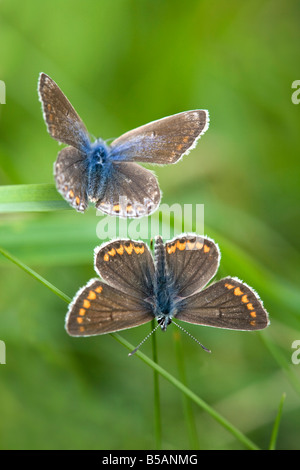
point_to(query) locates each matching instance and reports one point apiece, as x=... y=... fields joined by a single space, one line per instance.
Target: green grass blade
x=191 y=395
x=35 y=275
x=276 y=424
x=188 y=411
x=282 y=362
x=31 y=198
x=157 y=409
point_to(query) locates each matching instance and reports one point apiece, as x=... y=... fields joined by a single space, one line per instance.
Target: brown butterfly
x=135 y=289
x=108 y=175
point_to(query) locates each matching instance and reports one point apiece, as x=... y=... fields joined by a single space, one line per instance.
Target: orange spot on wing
x=199 y=245
x=112 y=252
x=253 y=322
x=181 y=245
x=237 y=291
x=138 y=249
x=120 y=250
x=206 y=249
x=99 y=289
x=245 y=299
x=140 y=209
x=79 y=319
x=82 y=312
x=71 y=194
x=92 y=295
x=250 y=307
x=129 y=248
x=106 y=257
x=229 y=286
x=253 y=314
x=86 y=303
x=186 y=139
x=191 y=245
x=116 y=208
x=77 y=200
x=171 y=248
x=81 y=329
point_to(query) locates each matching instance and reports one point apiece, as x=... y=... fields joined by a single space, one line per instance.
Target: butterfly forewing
x=228 y=303
x=192 y=261
x=62 y=121
x=127 y=265
x=99 y=308
x=163 y=141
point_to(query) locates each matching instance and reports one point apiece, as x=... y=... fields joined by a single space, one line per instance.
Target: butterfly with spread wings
x=135 y=289
x=109 y=175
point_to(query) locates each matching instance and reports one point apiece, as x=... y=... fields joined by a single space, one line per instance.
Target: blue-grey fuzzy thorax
x=98 y=168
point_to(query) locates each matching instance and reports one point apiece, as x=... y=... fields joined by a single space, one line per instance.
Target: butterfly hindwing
x=62 y=121
x=99 y=308
x=228 y=303
x=70 y=173
x=127 y=265
x=131 y=191
x=192 y=261
x=163 y=141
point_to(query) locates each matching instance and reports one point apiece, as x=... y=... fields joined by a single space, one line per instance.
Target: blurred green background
x=123 y=63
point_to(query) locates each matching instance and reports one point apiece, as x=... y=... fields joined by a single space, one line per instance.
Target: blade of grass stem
x=276 y=424
x=35 y=275
x=191 y=395
x=282 y=362
x=157 y=410
x=31 y=197
x=187 y=408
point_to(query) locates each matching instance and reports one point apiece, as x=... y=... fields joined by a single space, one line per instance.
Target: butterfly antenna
x=142 y=342
x=191 y=336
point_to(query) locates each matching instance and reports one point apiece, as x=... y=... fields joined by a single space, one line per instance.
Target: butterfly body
x=164 y=294
x=99 y=153
x=135 y=289
x=98 y=169
x=109 y=175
